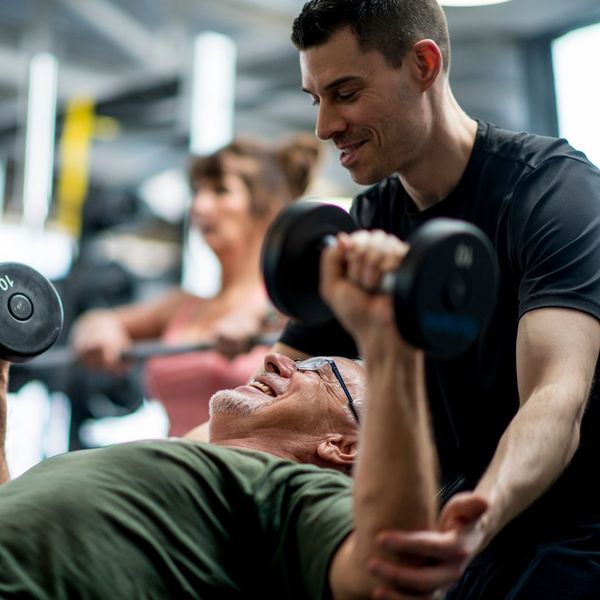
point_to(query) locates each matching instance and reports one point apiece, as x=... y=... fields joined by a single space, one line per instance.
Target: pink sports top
x=184 y=383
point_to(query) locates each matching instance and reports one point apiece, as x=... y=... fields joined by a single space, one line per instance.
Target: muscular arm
x=396 y=473
x=557 y=350
x=4 y=475
x=395 y=478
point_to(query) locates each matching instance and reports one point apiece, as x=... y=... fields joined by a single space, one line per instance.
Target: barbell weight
x=444 y=292
x=31 y=313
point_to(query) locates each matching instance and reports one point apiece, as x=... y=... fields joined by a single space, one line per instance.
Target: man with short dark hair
x=253 y=514
x=508 y=414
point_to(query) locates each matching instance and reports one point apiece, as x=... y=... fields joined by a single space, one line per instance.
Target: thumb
x=332 y=265
x=463 y=509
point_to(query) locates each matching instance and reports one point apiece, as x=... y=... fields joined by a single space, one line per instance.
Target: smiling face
x=372 y=111
x=287 y=408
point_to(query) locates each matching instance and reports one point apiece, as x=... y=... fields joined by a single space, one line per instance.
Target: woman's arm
x=99 y=336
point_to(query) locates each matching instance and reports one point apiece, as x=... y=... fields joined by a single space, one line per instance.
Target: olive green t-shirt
x=171 y=519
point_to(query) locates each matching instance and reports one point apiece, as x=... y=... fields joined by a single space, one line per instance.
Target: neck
x=444 y=159
x=294 y=447
x=254 y=443
x=240 y=267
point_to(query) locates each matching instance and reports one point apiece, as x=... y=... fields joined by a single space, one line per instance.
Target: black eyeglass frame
x=315 y=363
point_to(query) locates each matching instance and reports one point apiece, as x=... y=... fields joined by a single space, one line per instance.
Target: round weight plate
x=445 y=290
x=291 y=253
x=31 y=314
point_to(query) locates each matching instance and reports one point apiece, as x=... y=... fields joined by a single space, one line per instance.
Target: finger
x=428 y=544
x=464 y=509
x=231 y=346
x=422 y=580
x=332 y=267
x=354 y=254
x=371 y=254
x=91 y=358
x=378 y=254
x=111 y=356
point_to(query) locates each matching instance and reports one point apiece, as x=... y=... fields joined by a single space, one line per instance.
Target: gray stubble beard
x=232 y=402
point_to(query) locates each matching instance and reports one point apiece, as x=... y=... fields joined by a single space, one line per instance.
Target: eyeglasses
x=315 y=363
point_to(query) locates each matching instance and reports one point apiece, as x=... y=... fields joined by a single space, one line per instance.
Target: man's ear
x=338 y=450
x=429 y=62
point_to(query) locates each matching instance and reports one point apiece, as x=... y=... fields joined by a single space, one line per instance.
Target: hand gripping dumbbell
x=444 y=291
x=31 y=314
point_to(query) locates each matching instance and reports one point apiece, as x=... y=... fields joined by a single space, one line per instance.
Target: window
x=577 y=81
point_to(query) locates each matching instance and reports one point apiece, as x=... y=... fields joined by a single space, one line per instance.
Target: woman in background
x=238 y=190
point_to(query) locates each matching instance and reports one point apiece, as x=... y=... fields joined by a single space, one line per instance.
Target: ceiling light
x=470 y=2
x=39 y=139
x=213 y=92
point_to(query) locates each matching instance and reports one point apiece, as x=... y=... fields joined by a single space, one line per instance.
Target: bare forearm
x=4 y=366
x=396 y=474
x=531 y=455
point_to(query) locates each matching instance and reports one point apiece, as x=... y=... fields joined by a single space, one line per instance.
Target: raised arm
x=396 y=474
x=4 y=474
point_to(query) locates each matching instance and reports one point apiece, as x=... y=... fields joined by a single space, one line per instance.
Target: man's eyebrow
x=336 y=83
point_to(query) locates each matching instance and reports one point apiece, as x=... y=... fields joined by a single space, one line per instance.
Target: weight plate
x=291 y=253
x=31 y=314
x=445 y=290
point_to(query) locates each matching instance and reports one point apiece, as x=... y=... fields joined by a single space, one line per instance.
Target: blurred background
x=103 y=101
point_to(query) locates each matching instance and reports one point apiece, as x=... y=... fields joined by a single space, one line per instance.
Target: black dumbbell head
x=31 y=314
x=291 y=253
x=445 y=290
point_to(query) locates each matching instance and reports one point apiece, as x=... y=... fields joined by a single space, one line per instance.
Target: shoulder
x=529 y=150
x=532 y=174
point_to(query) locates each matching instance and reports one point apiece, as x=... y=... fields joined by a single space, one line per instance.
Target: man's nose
x=280 y=364
x=329 y=121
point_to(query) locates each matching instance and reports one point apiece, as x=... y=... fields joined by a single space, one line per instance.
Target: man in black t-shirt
x=516 y=416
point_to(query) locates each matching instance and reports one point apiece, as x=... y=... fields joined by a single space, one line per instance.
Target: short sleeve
x=306 y=514
x=555 y=237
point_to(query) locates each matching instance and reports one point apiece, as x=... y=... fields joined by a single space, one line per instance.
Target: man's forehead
x=337 y=61
x=350 y=366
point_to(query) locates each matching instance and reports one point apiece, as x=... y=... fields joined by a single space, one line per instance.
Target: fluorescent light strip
x=213 y=92
x=2 y=186
x=39 y=139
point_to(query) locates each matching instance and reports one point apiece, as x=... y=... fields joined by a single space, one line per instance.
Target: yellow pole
x=75 y=144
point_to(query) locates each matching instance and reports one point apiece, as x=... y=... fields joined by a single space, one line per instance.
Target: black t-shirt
x=538 y=200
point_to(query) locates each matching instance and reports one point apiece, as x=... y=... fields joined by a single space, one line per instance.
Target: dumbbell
x=31 y=313
x=444 y=292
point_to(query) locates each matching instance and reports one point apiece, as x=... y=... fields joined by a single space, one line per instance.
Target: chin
x=365 y=180
x=363 y=177
x=231 y=402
